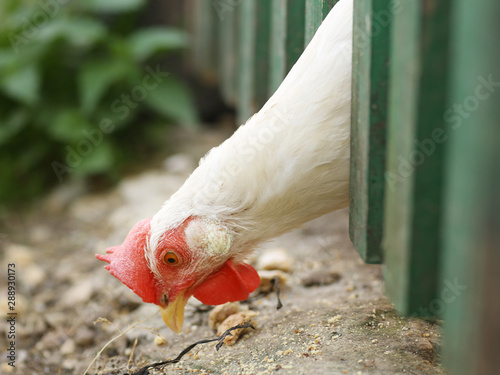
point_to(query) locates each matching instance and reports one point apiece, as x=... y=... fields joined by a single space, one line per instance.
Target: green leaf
x=13 y=124
x=8 y=60
x=23 y=84
x=112 y=6
x=96 y=77
x=68 y=126
x=79 y=32
x=100 y=160
x=172 y=100
x=146 y=42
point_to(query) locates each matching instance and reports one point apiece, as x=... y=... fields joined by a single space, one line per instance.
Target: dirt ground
x=335 y=318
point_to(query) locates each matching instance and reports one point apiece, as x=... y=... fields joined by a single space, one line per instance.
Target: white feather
x=290 y=162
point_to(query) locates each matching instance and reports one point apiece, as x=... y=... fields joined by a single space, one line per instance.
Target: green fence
x=425 y=143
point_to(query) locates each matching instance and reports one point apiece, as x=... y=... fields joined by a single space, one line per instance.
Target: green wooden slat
x=255 y=24
x=368 y=127
x=205 y=43
x=228 y=53
x=295 y=21
x=287 y=39
x=327 y=5
x=262 y=47
x=277 y=53
x=314 y=16
x=316 y=11
x=472 y=221
x=418 y=82
x=246 y=72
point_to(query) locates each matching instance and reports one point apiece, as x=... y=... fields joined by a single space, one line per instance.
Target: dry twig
x=145 y=370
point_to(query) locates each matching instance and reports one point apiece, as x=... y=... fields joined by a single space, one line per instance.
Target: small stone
x=275 y=259
x=68 y=347
x=70 y=363
x=374 y=341
x=79 y=293
x=6 y=369
x=334 y=319
x=426 y=350
x=34 y=324
x=51 y=340
x=321 y=277
x=21 y=255
x=84 y=336
x=160 y=340
x=350 y=288
x=55 y=319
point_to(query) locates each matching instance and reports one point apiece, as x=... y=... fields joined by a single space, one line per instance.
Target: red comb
x=128 y=264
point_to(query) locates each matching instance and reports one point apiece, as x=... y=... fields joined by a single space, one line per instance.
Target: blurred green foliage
x=79 y=85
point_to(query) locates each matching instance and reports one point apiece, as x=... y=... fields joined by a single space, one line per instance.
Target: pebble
x=426 y=350
x=84 y=336
x=51 y=340
x=6 y=369
x=79 y=293
x=160 y=340
x=70 y=363
x=55 y=319
x=334 y=319
x=33 y=324
x=24 y=258
x=68 y=347
x=275 y=259
x=321 y=277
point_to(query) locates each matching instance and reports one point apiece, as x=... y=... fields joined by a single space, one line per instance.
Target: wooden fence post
x=416 y=141
x=287 y=39
x=471 y=259
x=254 y=44
x=316 y=11
x=371 y=34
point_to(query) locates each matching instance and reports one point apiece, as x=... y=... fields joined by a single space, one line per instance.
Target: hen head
x=193 y=259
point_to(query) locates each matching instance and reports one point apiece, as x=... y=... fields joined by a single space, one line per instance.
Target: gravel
x=335 y=318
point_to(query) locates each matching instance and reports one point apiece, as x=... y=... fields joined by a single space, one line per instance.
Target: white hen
x=287 y=165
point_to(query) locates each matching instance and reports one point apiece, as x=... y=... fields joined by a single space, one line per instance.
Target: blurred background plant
x=67 y=66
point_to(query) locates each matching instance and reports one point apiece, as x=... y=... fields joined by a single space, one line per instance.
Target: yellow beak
x=173 y=314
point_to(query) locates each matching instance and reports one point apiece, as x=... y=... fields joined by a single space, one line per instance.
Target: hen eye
x=172 y=259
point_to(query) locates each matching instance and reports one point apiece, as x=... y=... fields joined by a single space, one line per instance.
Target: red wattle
x=231 y=283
